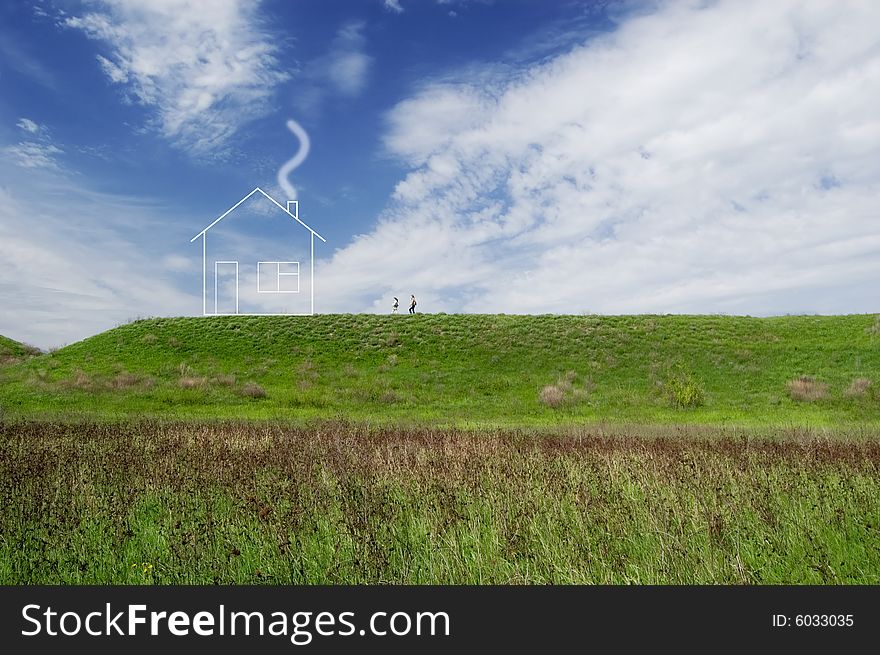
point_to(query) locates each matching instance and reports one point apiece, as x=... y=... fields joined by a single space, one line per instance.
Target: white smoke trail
x=296 y=160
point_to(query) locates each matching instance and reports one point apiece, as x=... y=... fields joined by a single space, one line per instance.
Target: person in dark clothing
x=395 y=306
x=412 y=305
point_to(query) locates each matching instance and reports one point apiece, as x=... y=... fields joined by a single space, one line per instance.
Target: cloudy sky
x=516 y=156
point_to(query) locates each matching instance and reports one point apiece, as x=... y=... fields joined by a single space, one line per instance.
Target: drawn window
x=278 y=277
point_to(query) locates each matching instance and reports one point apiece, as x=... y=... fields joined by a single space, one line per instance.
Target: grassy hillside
x=468 y=370
x=12 y=352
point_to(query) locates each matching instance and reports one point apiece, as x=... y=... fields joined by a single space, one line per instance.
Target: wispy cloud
x=343 y=70
x=347 y=65
x=28 y=125
x=393 y=5
x=36 y=150
x=680 y=163
x=206 y=66
x=31 y=154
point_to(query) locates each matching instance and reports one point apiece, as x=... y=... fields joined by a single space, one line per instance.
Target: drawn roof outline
x=278 y=204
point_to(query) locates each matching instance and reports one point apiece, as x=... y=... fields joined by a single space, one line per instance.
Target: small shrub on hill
x=564 y=392
x=552 y=396
x=253 y=390
x=81 y=380
x=224 y=380
x=683 y=390
x=807 y=389
x=858 y=388
x=126 y=380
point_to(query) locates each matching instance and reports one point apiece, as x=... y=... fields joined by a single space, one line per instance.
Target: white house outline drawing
x=292 y=210
x=217 y=264
x=278 y=275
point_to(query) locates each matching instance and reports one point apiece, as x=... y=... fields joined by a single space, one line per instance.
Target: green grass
x=255 y=502
x=445 y=449
x=12 y=351
x=462 y=370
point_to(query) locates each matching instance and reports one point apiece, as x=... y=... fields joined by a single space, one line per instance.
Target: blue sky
x=507 y=156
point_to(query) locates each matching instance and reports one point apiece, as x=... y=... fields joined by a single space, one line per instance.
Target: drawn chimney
x=293 y=208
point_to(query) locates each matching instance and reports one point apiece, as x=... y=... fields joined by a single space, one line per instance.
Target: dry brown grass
x=253 y=390
x=81 y=380
x=308 y=372
x=191 y=382
x=552 y=396
x=427 y=452
x=564 y=392
x=227 y=380
x=807 y=389
x=858 y=388
x=286 y=492
x=122 y=381
x=126 y=380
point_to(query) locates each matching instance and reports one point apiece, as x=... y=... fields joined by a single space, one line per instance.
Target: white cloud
x=28 y=125
x=206 y=67
x=343 y=70
x=347 y=65
x=116 y=73
x=180 y=264
x=31 y=154
x=36 y=150
x=709 y=158
x=393 y=5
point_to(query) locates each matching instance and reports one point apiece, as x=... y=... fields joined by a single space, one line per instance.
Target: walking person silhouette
x=412 y=305
x=395 y=306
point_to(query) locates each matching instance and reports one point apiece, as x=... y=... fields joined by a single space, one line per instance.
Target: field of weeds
x=145 y=503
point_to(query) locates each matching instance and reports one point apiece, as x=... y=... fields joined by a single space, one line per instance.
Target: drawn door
x=226 y=287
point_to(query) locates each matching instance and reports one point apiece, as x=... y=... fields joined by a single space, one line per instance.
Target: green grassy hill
x=466 y=370
x=12 y=352
x=387 y=495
